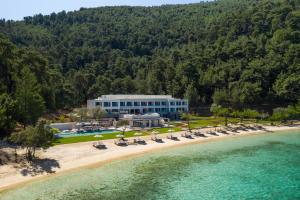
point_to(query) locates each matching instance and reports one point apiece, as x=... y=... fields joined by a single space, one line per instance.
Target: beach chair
x=156 y=139
x=172 y=137
x=199 y=134
x=186 y=135
x=139 y=141
x=212 y=133
x=222 y=131
x=99 y=145
x=120 y=142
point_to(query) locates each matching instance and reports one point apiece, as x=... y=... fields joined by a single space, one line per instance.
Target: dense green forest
x=238 y=53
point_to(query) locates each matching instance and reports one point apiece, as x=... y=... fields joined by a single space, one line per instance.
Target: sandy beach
x=69 y=157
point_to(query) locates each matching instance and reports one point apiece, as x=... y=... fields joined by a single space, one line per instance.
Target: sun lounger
x=156 y=139
x=251 y=127
x=121 y=143
x=212 y=133
x=187 y=135
x=99 y=145
x=172 y=137
x=139 y=141
x=222 y=131
x=199 y=134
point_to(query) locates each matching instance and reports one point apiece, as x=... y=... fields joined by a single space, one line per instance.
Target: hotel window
x=172 y=109
x=157 y=103
x=122 y=111
x=98 y=103
x=129 y=103
x=143 y=103
x=172 y=103
x=136 y=103
x=150 y=110
x=114 y=104
x=178 y=103
x=106 y=104
x=150 y=103
x=163 y=109
x=157 y=109
x=163 y=103
x=115 y=110
x=183 y=103
x=122 y=103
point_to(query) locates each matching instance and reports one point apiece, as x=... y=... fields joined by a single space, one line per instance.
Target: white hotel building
x=165 y=105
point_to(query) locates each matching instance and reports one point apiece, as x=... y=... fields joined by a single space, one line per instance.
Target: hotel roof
x=134 y=96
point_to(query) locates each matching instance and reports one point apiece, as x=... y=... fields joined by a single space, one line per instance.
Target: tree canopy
x=240 y=53
x=32 y=138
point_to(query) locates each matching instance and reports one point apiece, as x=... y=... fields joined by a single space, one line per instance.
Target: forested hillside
x=241 y=52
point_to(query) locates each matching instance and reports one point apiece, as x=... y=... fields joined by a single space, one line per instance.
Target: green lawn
x=165 y=130
x=69 y=140
x=92 y=138
x=198 y=122
x=201 y=122
x=211 y=121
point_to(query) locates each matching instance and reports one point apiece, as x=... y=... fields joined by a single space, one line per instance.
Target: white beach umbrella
x=98 y=136
x=120 y=136
x=78 y=124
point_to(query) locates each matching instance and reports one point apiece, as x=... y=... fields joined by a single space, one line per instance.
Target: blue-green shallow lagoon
x=252 y=167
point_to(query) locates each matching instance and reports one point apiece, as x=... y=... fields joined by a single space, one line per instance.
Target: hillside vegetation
x=238 y=53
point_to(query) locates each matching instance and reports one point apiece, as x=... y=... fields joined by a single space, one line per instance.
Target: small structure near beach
x=146 y=120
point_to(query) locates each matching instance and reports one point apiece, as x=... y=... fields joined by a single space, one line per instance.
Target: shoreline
x=77 y=156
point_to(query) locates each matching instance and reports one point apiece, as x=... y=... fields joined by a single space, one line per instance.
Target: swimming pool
x=72 y=134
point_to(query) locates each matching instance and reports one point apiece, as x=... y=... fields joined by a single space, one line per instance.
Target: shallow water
x=255 y=167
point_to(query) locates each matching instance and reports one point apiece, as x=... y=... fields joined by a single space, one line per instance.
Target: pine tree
x=30 y=103
x=192 y=95
x=7 y=114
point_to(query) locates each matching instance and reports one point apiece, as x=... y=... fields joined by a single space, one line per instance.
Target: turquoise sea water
x=255 y=167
